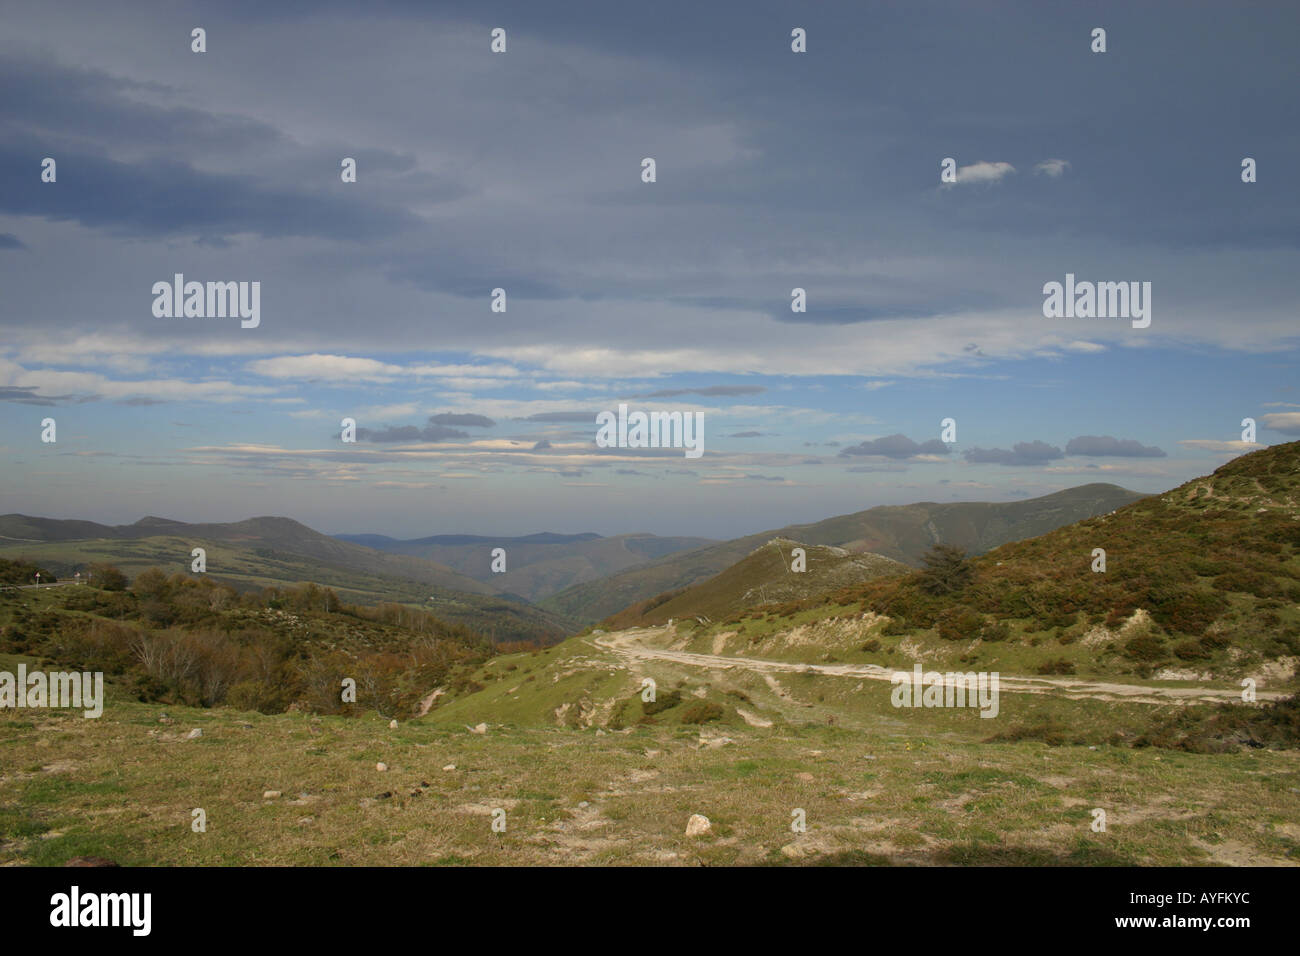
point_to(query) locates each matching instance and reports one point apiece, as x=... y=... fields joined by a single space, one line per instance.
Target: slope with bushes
x=192 y=640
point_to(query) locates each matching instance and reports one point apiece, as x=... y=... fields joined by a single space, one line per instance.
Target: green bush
x=1147 y=648
x=994 y=631
x=1059 y=666
x=701 y=712
x=958 y=623
x=661 y=703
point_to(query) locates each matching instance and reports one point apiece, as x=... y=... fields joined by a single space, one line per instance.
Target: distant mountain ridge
x=268 y=550
x=537 y=565
x=900 y=532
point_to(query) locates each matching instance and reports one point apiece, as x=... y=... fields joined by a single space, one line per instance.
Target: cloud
x=1097 y=446
x=868 y=469
x=1288 y=423
x=1052 y=167
x=468 y=420
x=746 y=435
x=710 y=390
x=556 y=418
x=327 y=367
x=410 y=433
x=1021 y=453
x=9 y=241
x=28 y=396
x=896 y=446
x=542 y=445
x=984 y=172
x=1214 y=444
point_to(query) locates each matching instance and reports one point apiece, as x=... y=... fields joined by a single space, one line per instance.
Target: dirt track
x=626 y=644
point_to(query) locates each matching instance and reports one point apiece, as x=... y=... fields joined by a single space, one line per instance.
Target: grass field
x=592 y=783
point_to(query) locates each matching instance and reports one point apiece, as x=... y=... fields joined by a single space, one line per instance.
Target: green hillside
x=902 y=533
x=761 y=578
x=278 y=552
x=1200 y=583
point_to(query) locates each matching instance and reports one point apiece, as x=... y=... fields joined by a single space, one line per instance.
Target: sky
x=523 y=171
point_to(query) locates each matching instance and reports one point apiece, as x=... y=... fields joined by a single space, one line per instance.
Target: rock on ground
x=698 y=825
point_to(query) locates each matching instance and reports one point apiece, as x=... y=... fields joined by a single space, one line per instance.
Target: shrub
x=1190 y=650
x=995 y=631
x=958 y=623
x=1147 y=648
x=1059 y=666
x=661 y=703
x=701 y=712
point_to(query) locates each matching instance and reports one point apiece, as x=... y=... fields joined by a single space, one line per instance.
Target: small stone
x=793 y=851
x=479 y=729
x=270 y=794
x=807 y=777
x=384 y=796
x=392 y=725
x=698 y=825
x=381 y=766
x=194 y=734
x=450 y=766
x=583 y=805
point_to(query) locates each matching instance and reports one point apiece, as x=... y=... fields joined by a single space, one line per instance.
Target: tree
x=946 y=570
x=108 y=577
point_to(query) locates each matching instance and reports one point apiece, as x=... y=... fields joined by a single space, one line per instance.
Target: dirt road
x=628 y=646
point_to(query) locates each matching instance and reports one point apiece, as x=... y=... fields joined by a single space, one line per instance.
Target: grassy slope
x=763 y=577
x=880 y=786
